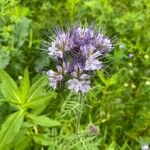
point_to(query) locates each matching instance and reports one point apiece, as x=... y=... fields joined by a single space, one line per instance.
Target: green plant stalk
x=80 y=101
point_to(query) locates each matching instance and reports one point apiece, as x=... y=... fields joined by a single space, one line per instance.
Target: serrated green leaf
x=22 y=140
x=9 y=88
x=42 y=139
x=44 y=121
x=24 y=143
x=36 y=88
x=39 y=103
x=25 y=85
x=10 y=95
x=11 y=128
x=43 y=95
x=5 y=78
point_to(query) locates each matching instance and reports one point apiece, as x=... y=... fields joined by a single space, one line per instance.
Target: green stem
x=80 y=101
x=35 y=130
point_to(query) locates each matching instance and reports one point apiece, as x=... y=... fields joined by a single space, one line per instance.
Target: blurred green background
x=120 y=102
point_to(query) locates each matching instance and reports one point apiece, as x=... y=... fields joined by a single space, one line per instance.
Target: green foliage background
x=119 y=103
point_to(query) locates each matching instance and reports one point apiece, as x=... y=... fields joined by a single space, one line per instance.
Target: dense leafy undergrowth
x=32 y=116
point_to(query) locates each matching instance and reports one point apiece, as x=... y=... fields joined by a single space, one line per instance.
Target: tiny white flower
x=146 y=56
x=125 y=84
x=145 y=147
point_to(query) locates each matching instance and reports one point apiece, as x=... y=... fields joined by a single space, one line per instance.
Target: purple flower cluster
x=77 y=54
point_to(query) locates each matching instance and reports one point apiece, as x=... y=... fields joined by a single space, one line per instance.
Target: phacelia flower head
x=77 y=53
